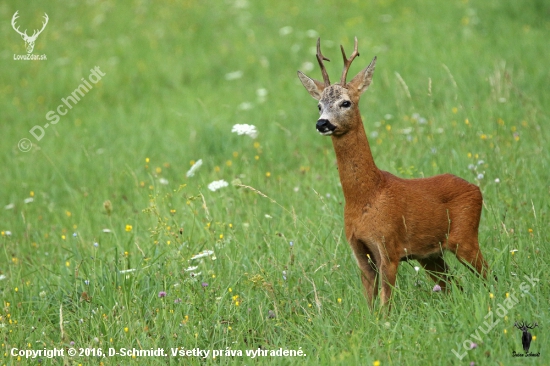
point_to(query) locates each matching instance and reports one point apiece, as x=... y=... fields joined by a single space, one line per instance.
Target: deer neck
x=359 y=175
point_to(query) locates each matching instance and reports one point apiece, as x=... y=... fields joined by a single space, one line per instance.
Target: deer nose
x=325 y=127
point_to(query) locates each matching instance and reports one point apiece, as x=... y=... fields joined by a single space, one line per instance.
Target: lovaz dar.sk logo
x=29 y=40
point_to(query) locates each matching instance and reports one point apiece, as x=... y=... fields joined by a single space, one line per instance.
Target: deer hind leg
x=466 y=249
x=369 y=271
x=463 y=237
x=470 y=254
x=437 y=269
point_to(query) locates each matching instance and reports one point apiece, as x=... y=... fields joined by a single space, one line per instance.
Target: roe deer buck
x=388 y=219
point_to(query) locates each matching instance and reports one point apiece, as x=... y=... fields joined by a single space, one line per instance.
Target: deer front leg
x=369 y=271
x=388 y=269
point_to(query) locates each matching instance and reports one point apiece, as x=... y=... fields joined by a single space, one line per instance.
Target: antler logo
x=526 y=336
x=29 y=40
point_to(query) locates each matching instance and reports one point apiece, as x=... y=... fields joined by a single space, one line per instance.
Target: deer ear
x=315 y=88
x=361 y=81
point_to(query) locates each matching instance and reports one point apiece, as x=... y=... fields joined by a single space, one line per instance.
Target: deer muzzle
x=324 y=127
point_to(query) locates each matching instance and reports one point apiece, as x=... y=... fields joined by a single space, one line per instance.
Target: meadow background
x=99 y=223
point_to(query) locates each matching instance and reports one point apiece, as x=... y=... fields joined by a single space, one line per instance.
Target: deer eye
x=319 y=106
x=345 y=104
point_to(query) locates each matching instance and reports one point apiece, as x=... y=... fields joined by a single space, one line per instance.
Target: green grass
x=476 y=73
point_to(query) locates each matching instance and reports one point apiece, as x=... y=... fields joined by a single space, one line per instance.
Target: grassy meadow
x=106 y=243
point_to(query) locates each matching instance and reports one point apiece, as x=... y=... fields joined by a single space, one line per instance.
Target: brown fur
x=389 y=219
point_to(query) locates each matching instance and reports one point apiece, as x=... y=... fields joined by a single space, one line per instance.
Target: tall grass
x=101 y=257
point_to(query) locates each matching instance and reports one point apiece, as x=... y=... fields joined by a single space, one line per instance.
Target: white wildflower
x=204 y=253
x=28 y=200
x=163 y=181
x=386 y=18
x=7 y=233
x=240 y=4
x=261 y=94
x=127 y=270
x=9 y=207
x=284 y=31
x=217 y=184
x=107 y=231
x=312 y=33
x=245 y=106
x=194 y=168
x=497 y=180
x=2 y=277
x=244 y=129
x=307 y=66
x=388 y=116
x=416 y=268
x=192 y=268
x=481 y=162
x=234 y=75
x=480 y=176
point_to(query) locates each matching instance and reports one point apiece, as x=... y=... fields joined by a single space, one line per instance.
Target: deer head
x=338 y=103
x=29 y=40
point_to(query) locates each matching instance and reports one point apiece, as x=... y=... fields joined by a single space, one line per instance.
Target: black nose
x=324 y=126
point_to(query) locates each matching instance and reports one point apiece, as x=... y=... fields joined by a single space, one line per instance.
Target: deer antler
x=37 y=32
x=532 y=326
x=13 y=19
x=519 y=325
x=320 y=58
x=347 y=62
